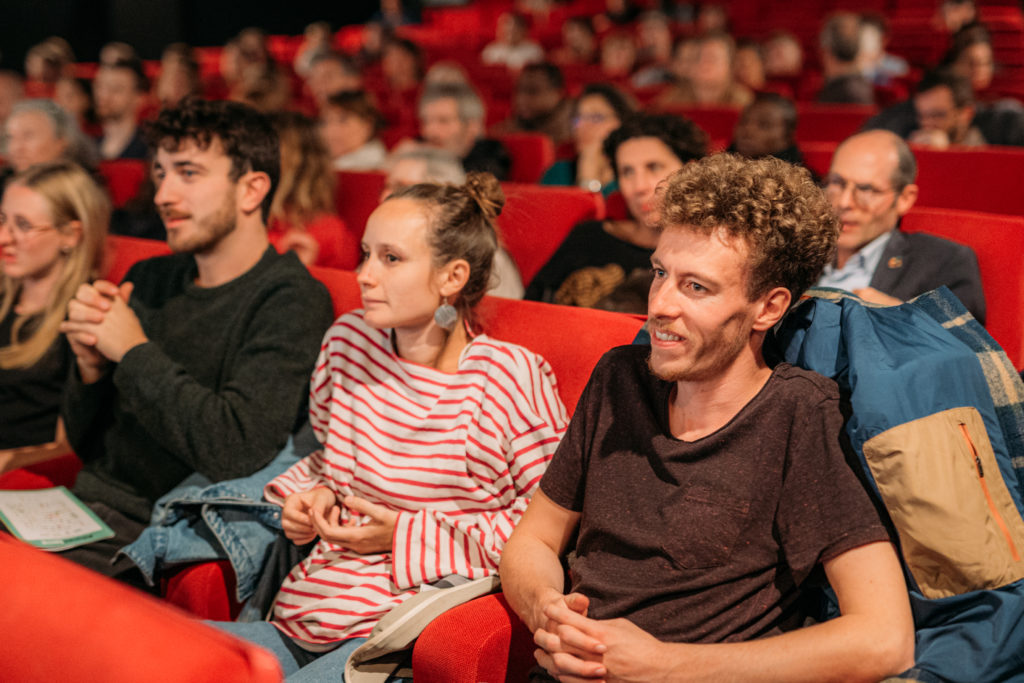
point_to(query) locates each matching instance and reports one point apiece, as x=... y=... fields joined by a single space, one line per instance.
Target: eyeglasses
x=21 y=228
x=864 y=194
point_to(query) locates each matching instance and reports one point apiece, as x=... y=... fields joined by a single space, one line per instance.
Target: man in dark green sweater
x=199 y=361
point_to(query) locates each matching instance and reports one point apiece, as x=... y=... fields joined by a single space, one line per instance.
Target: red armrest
x=481 y=640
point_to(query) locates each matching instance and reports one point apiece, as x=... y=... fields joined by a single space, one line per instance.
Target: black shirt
x=30 y=397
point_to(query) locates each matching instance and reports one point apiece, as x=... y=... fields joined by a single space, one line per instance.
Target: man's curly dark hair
x=246 y=135
x=785 y=220
x=681 y=135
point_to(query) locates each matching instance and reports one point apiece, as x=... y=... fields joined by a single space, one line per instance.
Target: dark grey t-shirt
x=705 y=541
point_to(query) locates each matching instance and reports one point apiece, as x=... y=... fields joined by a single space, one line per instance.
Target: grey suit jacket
x=915 y=263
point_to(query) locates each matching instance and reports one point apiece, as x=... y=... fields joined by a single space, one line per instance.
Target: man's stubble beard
x=209 y=232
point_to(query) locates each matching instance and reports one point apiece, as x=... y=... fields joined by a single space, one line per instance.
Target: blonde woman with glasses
x=53 y=223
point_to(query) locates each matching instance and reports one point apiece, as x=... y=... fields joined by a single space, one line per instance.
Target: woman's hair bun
x=486 y=190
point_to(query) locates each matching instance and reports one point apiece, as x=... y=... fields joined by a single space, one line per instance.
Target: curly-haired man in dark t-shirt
x=704 y=485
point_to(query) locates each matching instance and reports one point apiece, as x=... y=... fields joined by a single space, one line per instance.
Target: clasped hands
x=308 y=514
x=574 y=648
x=101 y=327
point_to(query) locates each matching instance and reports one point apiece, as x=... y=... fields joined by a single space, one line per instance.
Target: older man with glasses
x=871 y=186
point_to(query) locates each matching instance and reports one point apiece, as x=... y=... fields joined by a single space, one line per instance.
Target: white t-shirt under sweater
x=457 y=455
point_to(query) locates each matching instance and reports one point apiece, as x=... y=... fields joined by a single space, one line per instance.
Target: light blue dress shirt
x=860 y=267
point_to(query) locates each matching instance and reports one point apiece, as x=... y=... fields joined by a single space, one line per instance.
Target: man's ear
x=906 y=198
x=452 y=277
x=253 y=188
x=774 y=305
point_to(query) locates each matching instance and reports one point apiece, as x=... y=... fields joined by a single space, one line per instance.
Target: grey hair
x=467 y=101
x=441 y=166
x=80 y=148
x=906 y=164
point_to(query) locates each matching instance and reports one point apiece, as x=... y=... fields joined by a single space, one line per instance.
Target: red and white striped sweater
x=456 y=455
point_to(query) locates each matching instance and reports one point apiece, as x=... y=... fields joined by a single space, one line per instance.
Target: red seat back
x=124 y=252
x=830 y=122
x=717 y=122
x=986 y=179
x=536 y=219
x=532 y=154
x=571 y=339
x=998 y=242
x=356 y=195
x=124 y=178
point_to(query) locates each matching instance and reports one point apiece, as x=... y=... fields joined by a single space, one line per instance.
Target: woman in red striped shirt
x=433 y=437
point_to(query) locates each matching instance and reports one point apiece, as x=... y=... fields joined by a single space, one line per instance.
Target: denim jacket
x=201 y=521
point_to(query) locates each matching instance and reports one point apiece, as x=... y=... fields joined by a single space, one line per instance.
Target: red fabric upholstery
x=536 y=219
x=206 y=590
x=124 y=178
x=972 y=179
x=532 y=154
x=61 y=471
x=99 y=630
x=124 y=252
x=818 y=155
x=717 y=122
x=998 y=242
x=342 y=287
x=830 y=122
x=356 y=195
x=482 y=640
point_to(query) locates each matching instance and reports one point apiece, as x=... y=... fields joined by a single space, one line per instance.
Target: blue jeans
x=299 y=666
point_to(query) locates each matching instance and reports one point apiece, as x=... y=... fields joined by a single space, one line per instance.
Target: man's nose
x=165 y=192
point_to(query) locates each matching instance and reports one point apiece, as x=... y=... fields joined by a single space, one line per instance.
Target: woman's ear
x=71 y=235
x=453 y=277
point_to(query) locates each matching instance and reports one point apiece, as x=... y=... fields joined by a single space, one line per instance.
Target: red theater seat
x=532 y=154
x=124 y=252
x=356 y=195
x=987 y=179
x=124 y=178
x=62 y=622
x=998 y=242
x=536 y=219
x=717 y=122
x=830 y=122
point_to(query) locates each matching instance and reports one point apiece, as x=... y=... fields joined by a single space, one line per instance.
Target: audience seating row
x=537 y=218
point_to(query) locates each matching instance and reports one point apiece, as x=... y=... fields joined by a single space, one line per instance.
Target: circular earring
x=445 y=316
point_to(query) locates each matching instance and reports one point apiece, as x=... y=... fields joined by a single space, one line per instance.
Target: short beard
x=721 y=359
x=210 y=232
